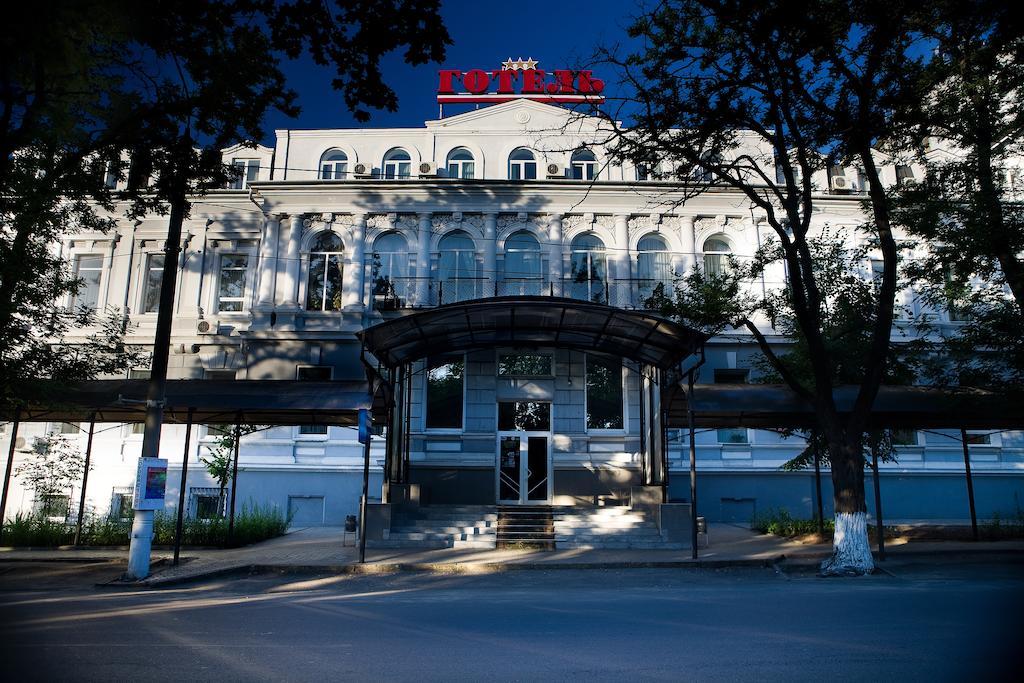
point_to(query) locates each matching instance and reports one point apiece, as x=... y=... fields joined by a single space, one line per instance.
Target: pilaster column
x=288 y=282
x=686 y=238
x=490 y=255
x=423 y=258
x=557 y=249
x=354 y=277
x=621 y=291
x=268 y=262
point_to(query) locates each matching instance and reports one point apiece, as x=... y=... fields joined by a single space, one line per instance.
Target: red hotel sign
x=518 y=80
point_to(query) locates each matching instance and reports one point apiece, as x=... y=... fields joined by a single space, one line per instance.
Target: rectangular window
x=732 y=376
x=219 y=375
x=88 y=270
x=248 y=172
x=121 y=504
x=524 y=365
x=231 y=289
x=976 y=438
x=208 y=504
x=604 y=393
x=444 y=393
x=312 y=429
x=139 y=373
x=69 y=428
x=904 y=437
x=151 y=286
x=220 y=430
x=526 y=416
x=314 y=373
x=138 y=428
x=54 y=505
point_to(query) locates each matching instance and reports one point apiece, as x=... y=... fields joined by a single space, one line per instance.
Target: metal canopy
x=773 y=405
x=531 y=321
x=265 y=402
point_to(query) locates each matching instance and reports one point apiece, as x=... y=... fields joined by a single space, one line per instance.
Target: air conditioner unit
x=206 y=327
x=362 y=170
x=428 y=169
x=841 y=183
x=555 y=170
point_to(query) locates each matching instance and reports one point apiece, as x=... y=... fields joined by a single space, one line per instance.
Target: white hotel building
x=334 y=231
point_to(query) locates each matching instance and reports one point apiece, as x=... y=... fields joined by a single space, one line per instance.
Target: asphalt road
x=955 y=622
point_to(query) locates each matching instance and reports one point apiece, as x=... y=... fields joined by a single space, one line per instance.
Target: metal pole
x=970 y=483
x=234 y=478
x=142 y=526
x=7 y=472
x=362 y=501
x=817 y=491
x=179 y=523
x=85 y=478
x=878 y=505
x=693 y=464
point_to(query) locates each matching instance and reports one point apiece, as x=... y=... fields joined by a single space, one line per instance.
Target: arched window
x=589 y=269
x=397 y=164
x=461 y=164
x=323 y=286
x=716 y=255
x=524 y=270
x=334 y=165
x=522 y=165
x=583 y=165
x=653 y=265
x=456 y=271
x=390 y=270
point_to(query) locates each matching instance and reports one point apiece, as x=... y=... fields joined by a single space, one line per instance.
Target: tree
x=966 y=129
x=150 y=93
x=803 y=86
x=54 y=467
x=220 y=459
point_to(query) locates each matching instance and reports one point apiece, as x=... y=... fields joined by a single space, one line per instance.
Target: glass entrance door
x=523 y=468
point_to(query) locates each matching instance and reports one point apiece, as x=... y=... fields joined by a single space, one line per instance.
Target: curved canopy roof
x=531 y=321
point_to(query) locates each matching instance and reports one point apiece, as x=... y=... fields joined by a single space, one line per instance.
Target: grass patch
x=253 y=523
x=781 y=523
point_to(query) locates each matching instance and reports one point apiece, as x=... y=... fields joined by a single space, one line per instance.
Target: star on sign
x=519 y=64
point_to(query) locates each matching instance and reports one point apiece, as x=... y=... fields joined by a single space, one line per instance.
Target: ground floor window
x=208 y=503
x=54 y=505
x=445 y=382
x=733 y=435
x=604 y=393
x=121 y=503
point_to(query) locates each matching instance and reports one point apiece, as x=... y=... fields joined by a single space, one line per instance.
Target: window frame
x=522 y=165
x=307 y=262
x=723 y=256
x=624 y=387
x=581 y=167
x=101 y=274
x=147 y=283
x=499 y=353
x=428 y=365
x=242 y=300
x=250 y=167
x=338 y=167
x=460 y=164
x=391 y=167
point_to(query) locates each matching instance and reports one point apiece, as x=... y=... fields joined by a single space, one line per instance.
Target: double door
x=524 y=468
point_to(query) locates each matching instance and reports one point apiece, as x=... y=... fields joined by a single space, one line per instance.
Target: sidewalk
x=320 y=550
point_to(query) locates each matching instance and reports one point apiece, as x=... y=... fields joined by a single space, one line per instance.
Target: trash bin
x=350 y=523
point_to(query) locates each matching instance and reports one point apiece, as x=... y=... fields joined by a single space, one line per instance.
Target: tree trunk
x=851 y=553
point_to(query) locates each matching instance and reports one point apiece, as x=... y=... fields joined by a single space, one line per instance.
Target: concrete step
x=403 y=543
x=482 y=545
x=604 y=533
x=621 y=545
x=424 y=523
x=450 y=530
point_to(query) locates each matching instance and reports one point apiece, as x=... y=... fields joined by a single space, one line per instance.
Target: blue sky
x=557 y=33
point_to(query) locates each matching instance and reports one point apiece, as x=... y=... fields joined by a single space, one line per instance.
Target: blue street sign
x=364 y=426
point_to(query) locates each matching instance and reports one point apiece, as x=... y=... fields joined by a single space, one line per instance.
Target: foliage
x=253 y=524
x=781 y=523
x=55 y=465
x=219 y=460
x=149 y=94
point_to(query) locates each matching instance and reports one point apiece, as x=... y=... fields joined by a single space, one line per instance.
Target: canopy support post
x=234 y=478
x=817 y=492
x=179 y=523
x=7 y=472
x=878 y=504
x=970 y=482
x=366 y=490
x=693 y=462
x=85 y=478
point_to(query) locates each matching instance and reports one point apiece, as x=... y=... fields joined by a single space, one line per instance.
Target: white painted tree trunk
x=851 y=553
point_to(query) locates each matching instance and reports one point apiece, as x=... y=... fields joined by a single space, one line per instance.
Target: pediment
x=519 y=116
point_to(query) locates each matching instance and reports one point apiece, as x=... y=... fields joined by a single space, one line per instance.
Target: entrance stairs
x=612 y=527
x=526 y=526
x=442 y=526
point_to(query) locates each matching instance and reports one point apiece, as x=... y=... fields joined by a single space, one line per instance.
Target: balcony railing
x=389 y=294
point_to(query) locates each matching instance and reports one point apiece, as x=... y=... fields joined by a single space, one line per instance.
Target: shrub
x=253 y=523
x=781 y=523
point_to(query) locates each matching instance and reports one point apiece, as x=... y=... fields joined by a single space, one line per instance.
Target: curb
x=441 y=568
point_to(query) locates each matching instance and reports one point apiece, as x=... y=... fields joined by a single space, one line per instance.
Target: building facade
x=334 y=231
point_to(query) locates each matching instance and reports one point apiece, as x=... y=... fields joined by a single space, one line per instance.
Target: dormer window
x=334 y=165
x=522 y=165
x=461 y=164
x=246 y=171
x=397 y=165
